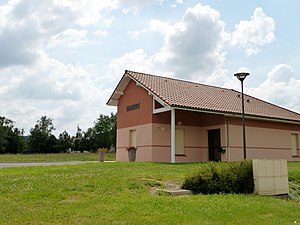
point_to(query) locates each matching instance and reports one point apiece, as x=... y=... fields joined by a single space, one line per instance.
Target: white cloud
x=69 y=38
x=68 y=93
x=192 y=47
x=159 y=26
x=87 y=11
x=26 y=27
x=101 y=33
x=134 y=6
x=252 y=34
x=136 y=34
x=281 y=87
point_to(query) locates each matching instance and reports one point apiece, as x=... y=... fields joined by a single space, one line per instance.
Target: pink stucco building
x=171 y=120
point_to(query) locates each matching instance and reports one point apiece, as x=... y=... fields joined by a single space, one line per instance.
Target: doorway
x=214 y=144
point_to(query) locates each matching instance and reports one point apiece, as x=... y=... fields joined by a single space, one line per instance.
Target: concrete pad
x=176 y=192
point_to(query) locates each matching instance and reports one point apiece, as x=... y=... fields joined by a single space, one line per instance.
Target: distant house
x=171 y=120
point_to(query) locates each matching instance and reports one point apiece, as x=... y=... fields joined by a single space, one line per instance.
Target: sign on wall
x=132 y=107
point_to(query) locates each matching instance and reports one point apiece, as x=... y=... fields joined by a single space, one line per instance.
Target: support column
x=173 y=136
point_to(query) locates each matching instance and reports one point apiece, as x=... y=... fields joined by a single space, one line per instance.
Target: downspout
x=228 y=141
x=172 y=135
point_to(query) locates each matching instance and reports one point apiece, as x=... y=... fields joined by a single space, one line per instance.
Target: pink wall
x=262 y=143
x=265 y=139
x=134 y=94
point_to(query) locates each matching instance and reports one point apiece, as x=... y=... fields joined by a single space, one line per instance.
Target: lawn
x=61 y=157
x=119 y=193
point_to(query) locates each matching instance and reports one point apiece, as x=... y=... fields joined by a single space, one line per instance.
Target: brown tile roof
x=184 y=94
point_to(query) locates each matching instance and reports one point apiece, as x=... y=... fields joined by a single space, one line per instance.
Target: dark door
x=214 y=144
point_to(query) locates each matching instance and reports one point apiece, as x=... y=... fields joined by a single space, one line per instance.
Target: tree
x=11 y=138
x=105 y=131
x=40 y=139
x=89 y=140
x=64 y=142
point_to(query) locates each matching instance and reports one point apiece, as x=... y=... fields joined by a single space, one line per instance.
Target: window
x=294 y=139
x=132 y=138
x=179 y=143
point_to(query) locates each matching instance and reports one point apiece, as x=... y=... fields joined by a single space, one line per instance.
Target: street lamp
x=241 y=77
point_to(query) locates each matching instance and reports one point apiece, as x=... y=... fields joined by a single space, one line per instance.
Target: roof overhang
x=239 y=115
x=119 y=90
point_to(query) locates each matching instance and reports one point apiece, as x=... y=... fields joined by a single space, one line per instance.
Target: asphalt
x=22 y=164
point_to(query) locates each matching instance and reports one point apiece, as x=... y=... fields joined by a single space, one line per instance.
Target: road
x=22 y=164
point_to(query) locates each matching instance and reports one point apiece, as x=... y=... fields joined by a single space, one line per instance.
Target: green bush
x=217 y=177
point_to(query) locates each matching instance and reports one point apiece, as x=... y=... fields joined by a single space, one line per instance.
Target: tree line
x=42 y=140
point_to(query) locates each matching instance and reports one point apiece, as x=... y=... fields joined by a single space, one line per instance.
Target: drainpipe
x=172 y=135
x=228 y=140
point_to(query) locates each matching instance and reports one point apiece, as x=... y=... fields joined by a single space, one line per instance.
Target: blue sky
x=63 y=58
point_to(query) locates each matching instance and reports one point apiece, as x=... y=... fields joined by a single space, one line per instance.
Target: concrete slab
x=176 y=192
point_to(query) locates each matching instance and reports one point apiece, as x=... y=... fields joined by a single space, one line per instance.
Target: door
x=214 y=144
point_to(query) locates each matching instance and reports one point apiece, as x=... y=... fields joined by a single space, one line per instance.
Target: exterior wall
x=143 y=143
x=193 y=144
x=132 y=95
x=264 y=140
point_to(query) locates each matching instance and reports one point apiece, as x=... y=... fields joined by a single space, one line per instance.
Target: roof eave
x=235 y=114
x=118 y=92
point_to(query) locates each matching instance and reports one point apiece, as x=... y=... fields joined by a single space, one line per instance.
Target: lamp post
x=241 y=77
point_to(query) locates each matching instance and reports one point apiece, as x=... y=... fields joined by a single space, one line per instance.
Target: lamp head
x=241 y=76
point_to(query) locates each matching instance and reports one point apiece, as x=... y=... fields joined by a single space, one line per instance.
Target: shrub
x=217 y=177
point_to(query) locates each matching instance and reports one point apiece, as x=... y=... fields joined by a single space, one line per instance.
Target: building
x=171 y=120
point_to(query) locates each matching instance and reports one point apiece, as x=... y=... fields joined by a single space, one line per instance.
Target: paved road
x=20 y=164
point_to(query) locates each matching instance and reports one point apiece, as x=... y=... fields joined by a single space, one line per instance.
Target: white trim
x=119 y=92
x=165 y=107
x=173 y=141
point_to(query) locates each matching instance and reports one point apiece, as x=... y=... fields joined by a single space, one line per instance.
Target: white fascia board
x=119 y=92
x=160 y=110
x=165 y=109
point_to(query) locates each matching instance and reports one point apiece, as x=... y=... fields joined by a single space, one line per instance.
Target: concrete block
x=283 y=167
x=259 y=168
x=270 y=177
x=269 y=168
x=281 y=185
x=277 y=167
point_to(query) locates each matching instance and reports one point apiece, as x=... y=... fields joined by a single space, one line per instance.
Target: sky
x=64 y=58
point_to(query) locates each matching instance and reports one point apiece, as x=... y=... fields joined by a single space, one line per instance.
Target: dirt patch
x=155 y=185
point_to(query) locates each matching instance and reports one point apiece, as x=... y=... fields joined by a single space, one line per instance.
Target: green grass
x=62 y=157
x=118 y=193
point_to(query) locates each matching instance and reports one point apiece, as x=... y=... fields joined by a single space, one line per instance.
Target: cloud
x=26 y=27
x=281 y=87
x=68 y=93
x=254 y=33
x=192 y=47
x=134 y=6
x=69 y=38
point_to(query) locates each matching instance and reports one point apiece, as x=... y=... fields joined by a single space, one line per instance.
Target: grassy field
x=62 y=157
x=119 y=193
